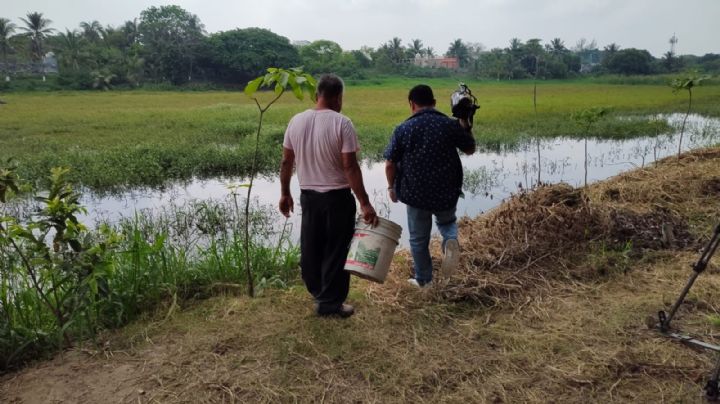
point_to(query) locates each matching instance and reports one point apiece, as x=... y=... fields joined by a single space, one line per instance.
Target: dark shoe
x=344 y=311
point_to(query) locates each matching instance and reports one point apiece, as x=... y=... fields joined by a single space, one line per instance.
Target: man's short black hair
x=422 y=95
x=330 y=86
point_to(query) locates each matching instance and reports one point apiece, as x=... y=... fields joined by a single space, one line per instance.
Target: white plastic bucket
x=372 y=249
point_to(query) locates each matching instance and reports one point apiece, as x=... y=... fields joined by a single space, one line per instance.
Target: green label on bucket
x=367 y=256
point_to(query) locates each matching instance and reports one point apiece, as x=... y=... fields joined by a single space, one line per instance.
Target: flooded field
x=490 y=176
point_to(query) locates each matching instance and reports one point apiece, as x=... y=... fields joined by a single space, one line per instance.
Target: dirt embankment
x=548 y=305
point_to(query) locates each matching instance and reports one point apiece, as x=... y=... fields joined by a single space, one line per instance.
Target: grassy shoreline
x=180 y=252
x=117 y=139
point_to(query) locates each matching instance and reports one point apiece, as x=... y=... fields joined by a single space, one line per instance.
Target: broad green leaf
x=252 y=86
x=284 y=79
x=278 y=89
x=310 y=86
x=310 y=80
x=269 y=80
x=297 y=91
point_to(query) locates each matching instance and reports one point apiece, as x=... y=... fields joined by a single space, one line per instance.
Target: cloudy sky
x=646 y=24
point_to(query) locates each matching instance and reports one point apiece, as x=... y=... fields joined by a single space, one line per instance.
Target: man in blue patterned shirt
x=424 y=172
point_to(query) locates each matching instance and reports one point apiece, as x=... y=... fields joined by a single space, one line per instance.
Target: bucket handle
x=360 y=224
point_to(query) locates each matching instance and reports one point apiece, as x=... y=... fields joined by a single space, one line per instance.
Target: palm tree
x=515 y=45
x=131 y=29
x=71 y=51
x=608 y=52
x=416 y=48
x=133 y=69
x=557 y=47
x=114 y=37
x=430 y=52
x=92 y=31
x=498 y=62
x=515 y=55
x=669 y=61
x=396 y=50
x=459 y=50
x=6 y=30
x=37 y=29
x=612 y=48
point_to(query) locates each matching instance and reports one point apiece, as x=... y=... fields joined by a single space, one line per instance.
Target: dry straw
x=547 y=233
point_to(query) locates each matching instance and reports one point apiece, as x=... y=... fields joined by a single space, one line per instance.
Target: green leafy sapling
x=278 y=80
x=686 y=83
x=586 y=119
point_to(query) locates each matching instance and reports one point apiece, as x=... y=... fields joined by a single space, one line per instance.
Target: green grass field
x=114 y=139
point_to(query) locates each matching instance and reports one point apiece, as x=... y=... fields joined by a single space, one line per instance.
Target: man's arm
x=467 y=147
x=390 y=172
x=286 y=170
x=354 y=177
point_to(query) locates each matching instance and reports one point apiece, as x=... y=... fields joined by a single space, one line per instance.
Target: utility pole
x=673 y=41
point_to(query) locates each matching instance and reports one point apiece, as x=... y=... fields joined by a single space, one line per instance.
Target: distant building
x=588 y=67
x=433 y=62
x=49 y=63
x=589 y=60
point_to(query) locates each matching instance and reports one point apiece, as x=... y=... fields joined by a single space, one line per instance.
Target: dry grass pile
x=550 y=231
x=528 y=227
x=530 y=237
x=688 y=188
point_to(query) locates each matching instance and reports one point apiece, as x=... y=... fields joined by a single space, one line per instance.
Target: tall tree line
x=168 y=44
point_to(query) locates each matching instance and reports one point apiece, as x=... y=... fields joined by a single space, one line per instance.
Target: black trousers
x=328 y=224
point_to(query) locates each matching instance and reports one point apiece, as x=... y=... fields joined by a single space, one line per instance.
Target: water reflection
x=490 y=176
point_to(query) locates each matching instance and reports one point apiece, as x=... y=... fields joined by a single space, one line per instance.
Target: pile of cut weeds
x=548 y=232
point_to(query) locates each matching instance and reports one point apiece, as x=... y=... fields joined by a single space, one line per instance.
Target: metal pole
x=665 y=325
x=698 y=268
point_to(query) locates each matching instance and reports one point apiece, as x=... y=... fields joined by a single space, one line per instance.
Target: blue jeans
x=420 y=226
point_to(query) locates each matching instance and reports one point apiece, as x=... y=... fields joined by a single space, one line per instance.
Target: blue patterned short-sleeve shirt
x=424 y=149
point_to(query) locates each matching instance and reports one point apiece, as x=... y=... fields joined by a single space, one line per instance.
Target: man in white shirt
x=322 y=144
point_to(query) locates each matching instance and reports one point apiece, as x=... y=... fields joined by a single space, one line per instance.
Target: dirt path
x=586 y=343
x=74 y=378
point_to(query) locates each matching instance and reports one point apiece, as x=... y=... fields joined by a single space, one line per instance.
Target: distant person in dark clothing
x=322 y=144
x=424 y=172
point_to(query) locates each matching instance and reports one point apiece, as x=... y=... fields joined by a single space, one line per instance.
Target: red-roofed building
x=447 y=63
